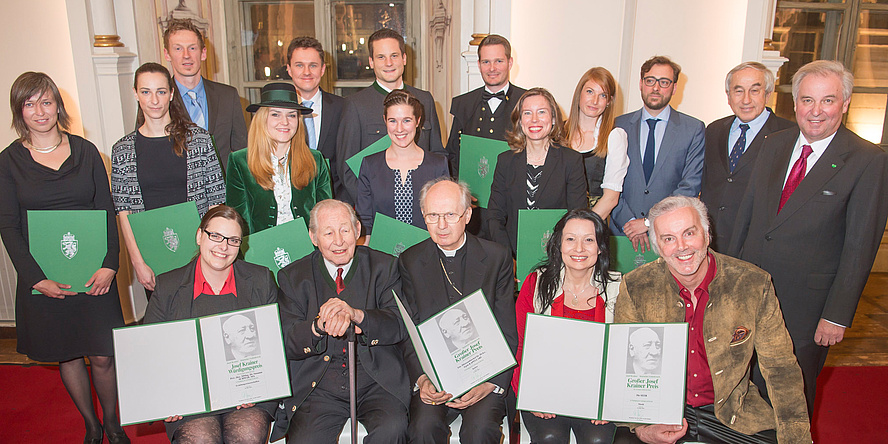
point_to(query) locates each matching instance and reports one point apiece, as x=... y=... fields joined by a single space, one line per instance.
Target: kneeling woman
x=277 y=178
x=215 y=282
x=575 y=282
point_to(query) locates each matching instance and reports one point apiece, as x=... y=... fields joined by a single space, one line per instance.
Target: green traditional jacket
x=258 y=206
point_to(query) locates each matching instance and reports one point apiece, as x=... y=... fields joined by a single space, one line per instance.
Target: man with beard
x=665 y=152
x=742 y=317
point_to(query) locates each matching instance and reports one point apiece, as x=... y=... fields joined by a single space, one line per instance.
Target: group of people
x=802 y=201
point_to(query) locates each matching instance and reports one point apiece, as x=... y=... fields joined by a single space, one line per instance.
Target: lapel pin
x=833 y=165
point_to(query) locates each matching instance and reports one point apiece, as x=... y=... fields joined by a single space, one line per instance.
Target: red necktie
x=339 y=284
x=796 y=174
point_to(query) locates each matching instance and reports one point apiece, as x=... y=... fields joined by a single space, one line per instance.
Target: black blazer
x=226 y=124
x=562 y=185
x=174 y=292
x=821 y=246
x=376 y=187
x=331 y=114
x=723 y=190
x=488 y=267
x=305 y=286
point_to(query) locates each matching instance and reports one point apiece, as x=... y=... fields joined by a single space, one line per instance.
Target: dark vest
x=594 y=172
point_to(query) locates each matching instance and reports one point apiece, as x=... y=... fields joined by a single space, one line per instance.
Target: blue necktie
x=310 y=127
x=196 y=113
x=648 y=162
x=739 y=148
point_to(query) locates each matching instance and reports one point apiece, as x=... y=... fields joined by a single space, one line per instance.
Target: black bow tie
x=487 y=95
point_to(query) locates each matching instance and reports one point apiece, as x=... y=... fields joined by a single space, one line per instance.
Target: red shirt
x=699 y=386
x=201 y=286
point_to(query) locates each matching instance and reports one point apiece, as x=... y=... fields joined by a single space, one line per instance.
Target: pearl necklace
x=46 y=150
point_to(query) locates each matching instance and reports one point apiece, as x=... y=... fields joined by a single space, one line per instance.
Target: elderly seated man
x=322 y=294
x=742 y=316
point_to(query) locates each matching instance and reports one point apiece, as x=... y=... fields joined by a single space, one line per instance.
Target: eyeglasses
x=450 y=218
x=218 y=238
x=664 y=82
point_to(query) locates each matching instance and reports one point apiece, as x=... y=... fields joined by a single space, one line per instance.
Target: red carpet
x=851 y=408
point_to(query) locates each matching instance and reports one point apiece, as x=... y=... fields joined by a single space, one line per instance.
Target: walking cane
x=352 y=398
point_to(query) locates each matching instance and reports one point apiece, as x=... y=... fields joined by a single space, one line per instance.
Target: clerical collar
x=452 y=253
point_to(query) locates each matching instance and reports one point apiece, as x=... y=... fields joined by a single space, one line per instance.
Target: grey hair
x=465 y=193
x=313 y=215
x=824 y=68
x=670 y=204
x=769 y=76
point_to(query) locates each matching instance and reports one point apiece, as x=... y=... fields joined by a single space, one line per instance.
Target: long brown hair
x=516 y=138
x=603 y=78
x=180 y=124
x=26 y=86
x=260 y=145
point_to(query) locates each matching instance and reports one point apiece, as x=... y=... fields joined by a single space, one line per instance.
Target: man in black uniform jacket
x=322 y=294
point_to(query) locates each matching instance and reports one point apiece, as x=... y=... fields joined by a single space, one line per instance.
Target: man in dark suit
x=665 y=152
x=435 y=274
x=212 y=106
x=306 y=67
x=321 y=295
x=814 y=214
x=732 y=144
x=485 y=111
x=362 y=118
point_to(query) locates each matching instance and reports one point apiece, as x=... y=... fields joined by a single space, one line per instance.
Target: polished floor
x=866 y=343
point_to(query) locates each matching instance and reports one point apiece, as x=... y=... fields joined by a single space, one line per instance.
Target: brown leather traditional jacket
x=742 y=316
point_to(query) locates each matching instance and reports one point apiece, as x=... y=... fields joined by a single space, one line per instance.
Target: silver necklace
x=47 y=150
x=575 y=295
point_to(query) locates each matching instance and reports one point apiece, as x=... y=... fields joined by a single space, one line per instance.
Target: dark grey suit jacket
x=331 y=114
x=226 y=124
x=363 y=123
x=677 y=171
x=821 y=246
x=722 y=189
x=488 y=267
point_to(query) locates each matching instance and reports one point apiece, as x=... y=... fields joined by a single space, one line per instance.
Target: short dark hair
x=26 y=86
x=661 y=60
x=495 y=39
x=386 y=33
x=305 y=42
x=175 y=25
x=404 y=97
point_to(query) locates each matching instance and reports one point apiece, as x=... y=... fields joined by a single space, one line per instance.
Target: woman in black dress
x=167 y=160
x=216 y=282
x=49 y=169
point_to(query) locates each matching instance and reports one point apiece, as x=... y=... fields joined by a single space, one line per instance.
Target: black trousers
x=557 y=430
x=481 y=422
x=319 y=420
x=703 y=426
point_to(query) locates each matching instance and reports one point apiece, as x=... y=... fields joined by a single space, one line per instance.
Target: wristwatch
x=647 y=222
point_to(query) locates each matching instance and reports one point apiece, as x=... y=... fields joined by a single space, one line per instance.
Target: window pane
x=866 y=115
x=802 y=37
x=871 y=50
x=354 y=21
x=270 y=27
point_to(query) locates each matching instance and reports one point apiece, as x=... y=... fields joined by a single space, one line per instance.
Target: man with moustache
x=212 y=106
x=485 y=111
x=435 y=274
x=742 y=316
x=306 y=66
x=362 y=118
x=665 y=152
x=734 y=142
x=814 y=215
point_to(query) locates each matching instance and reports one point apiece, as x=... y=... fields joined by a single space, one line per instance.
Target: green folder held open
x=534 y=231
x=477 y=162
x=166 y=236
x=275 y=247
x=393 y=236
x=354 y=162
x=69 y=246
x=624 y=258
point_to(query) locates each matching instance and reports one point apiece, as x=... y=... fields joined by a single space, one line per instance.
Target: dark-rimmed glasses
x=218 y=238
x=664 y=82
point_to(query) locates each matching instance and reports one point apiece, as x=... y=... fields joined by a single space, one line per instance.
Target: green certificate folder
x=274 y=248
x=624 y=258
x=477 y=162
x=534 y=231
x=69 y=246
x=393 y=236
x=166 y=236
x=354 y=162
